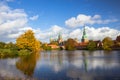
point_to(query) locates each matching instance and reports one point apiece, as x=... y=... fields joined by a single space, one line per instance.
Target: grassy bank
x=13 y=53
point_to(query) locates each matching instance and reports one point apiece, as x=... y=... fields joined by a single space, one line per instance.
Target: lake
x=63 y=65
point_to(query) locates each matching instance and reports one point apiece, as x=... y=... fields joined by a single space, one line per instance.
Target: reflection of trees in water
x=107 y=52
x=57 y=57
x=70 y=56
x=53 y=59
x=27 y=64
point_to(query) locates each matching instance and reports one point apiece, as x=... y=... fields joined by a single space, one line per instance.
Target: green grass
x=8 y=52
x=4 y=53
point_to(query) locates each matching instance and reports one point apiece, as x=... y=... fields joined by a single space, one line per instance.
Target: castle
x=60 y=42
x=83 y=40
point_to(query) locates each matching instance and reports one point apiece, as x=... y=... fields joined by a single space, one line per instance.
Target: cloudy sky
x=48 y=18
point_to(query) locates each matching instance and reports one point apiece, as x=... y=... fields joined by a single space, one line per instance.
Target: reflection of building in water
x=80 y=65
x=87 y=68
x=85 y=61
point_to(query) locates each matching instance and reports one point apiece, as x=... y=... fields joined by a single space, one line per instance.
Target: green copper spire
x=59 y=36
x=84 y=33
x=84 y=36
x=51 y=39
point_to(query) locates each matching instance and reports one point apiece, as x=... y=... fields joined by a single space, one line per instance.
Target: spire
x=84 y=36
x=51 y=39
x=59 y=36
x=84 y=32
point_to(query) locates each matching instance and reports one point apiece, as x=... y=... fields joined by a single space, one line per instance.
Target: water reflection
x=8 y=69
x=65 y=65
x=27 y=64
x=85 y=61
x=77 y=65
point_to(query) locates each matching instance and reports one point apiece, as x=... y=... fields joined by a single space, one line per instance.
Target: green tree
x=28 y=41
x=2 y=45
x=70 y=44
x=107 y=43
x=46 y=47
x=118 y=40
x=10 y=45
x=91 y=45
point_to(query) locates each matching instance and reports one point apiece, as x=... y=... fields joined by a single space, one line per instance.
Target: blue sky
x=65 y=16
x=57 y=11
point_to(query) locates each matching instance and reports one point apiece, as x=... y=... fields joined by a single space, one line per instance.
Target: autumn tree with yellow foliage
x=28 y=41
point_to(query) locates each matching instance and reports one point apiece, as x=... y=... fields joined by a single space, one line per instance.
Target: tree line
x=26 y=43
x=106 y=44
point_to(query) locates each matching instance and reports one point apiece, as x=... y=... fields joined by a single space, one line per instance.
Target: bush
x=24 y=52
x=46 y=47
x=2 y=45
x=70 y=44
x=8 y=53
x=107 y=43
x=91 y=45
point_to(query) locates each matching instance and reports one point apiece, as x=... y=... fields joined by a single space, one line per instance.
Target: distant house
x=99 y=44
x=53 y=46
x=81 y=46
x=57 y=43
x=116 y=45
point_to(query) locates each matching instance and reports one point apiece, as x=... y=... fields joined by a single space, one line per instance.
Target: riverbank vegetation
x=70 y=44
x=91 y=45
x=26 y=44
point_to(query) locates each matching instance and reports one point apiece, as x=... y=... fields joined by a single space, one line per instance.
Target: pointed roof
x=84 y=33
x=59 y=36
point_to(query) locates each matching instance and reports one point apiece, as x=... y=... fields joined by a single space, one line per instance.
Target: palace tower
x=84 y=36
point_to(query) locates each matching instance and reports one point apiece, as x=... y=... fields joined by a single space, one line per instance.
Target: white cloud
x=11 y=21
x=9 y=0
x=92 y=33
x=75 y=33
x=82 y=19
x=52 y=32
x=96 y=17
x=100 y=33
x=14 y=22
x=34 y=17
x=10 y=71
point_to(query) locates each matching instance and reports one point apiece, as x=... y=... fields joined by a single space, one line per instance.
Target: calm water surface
x=64 y=65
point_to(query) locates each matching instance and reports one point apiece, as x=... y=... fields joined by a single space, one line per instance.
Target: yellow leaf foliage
x=28 y=41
